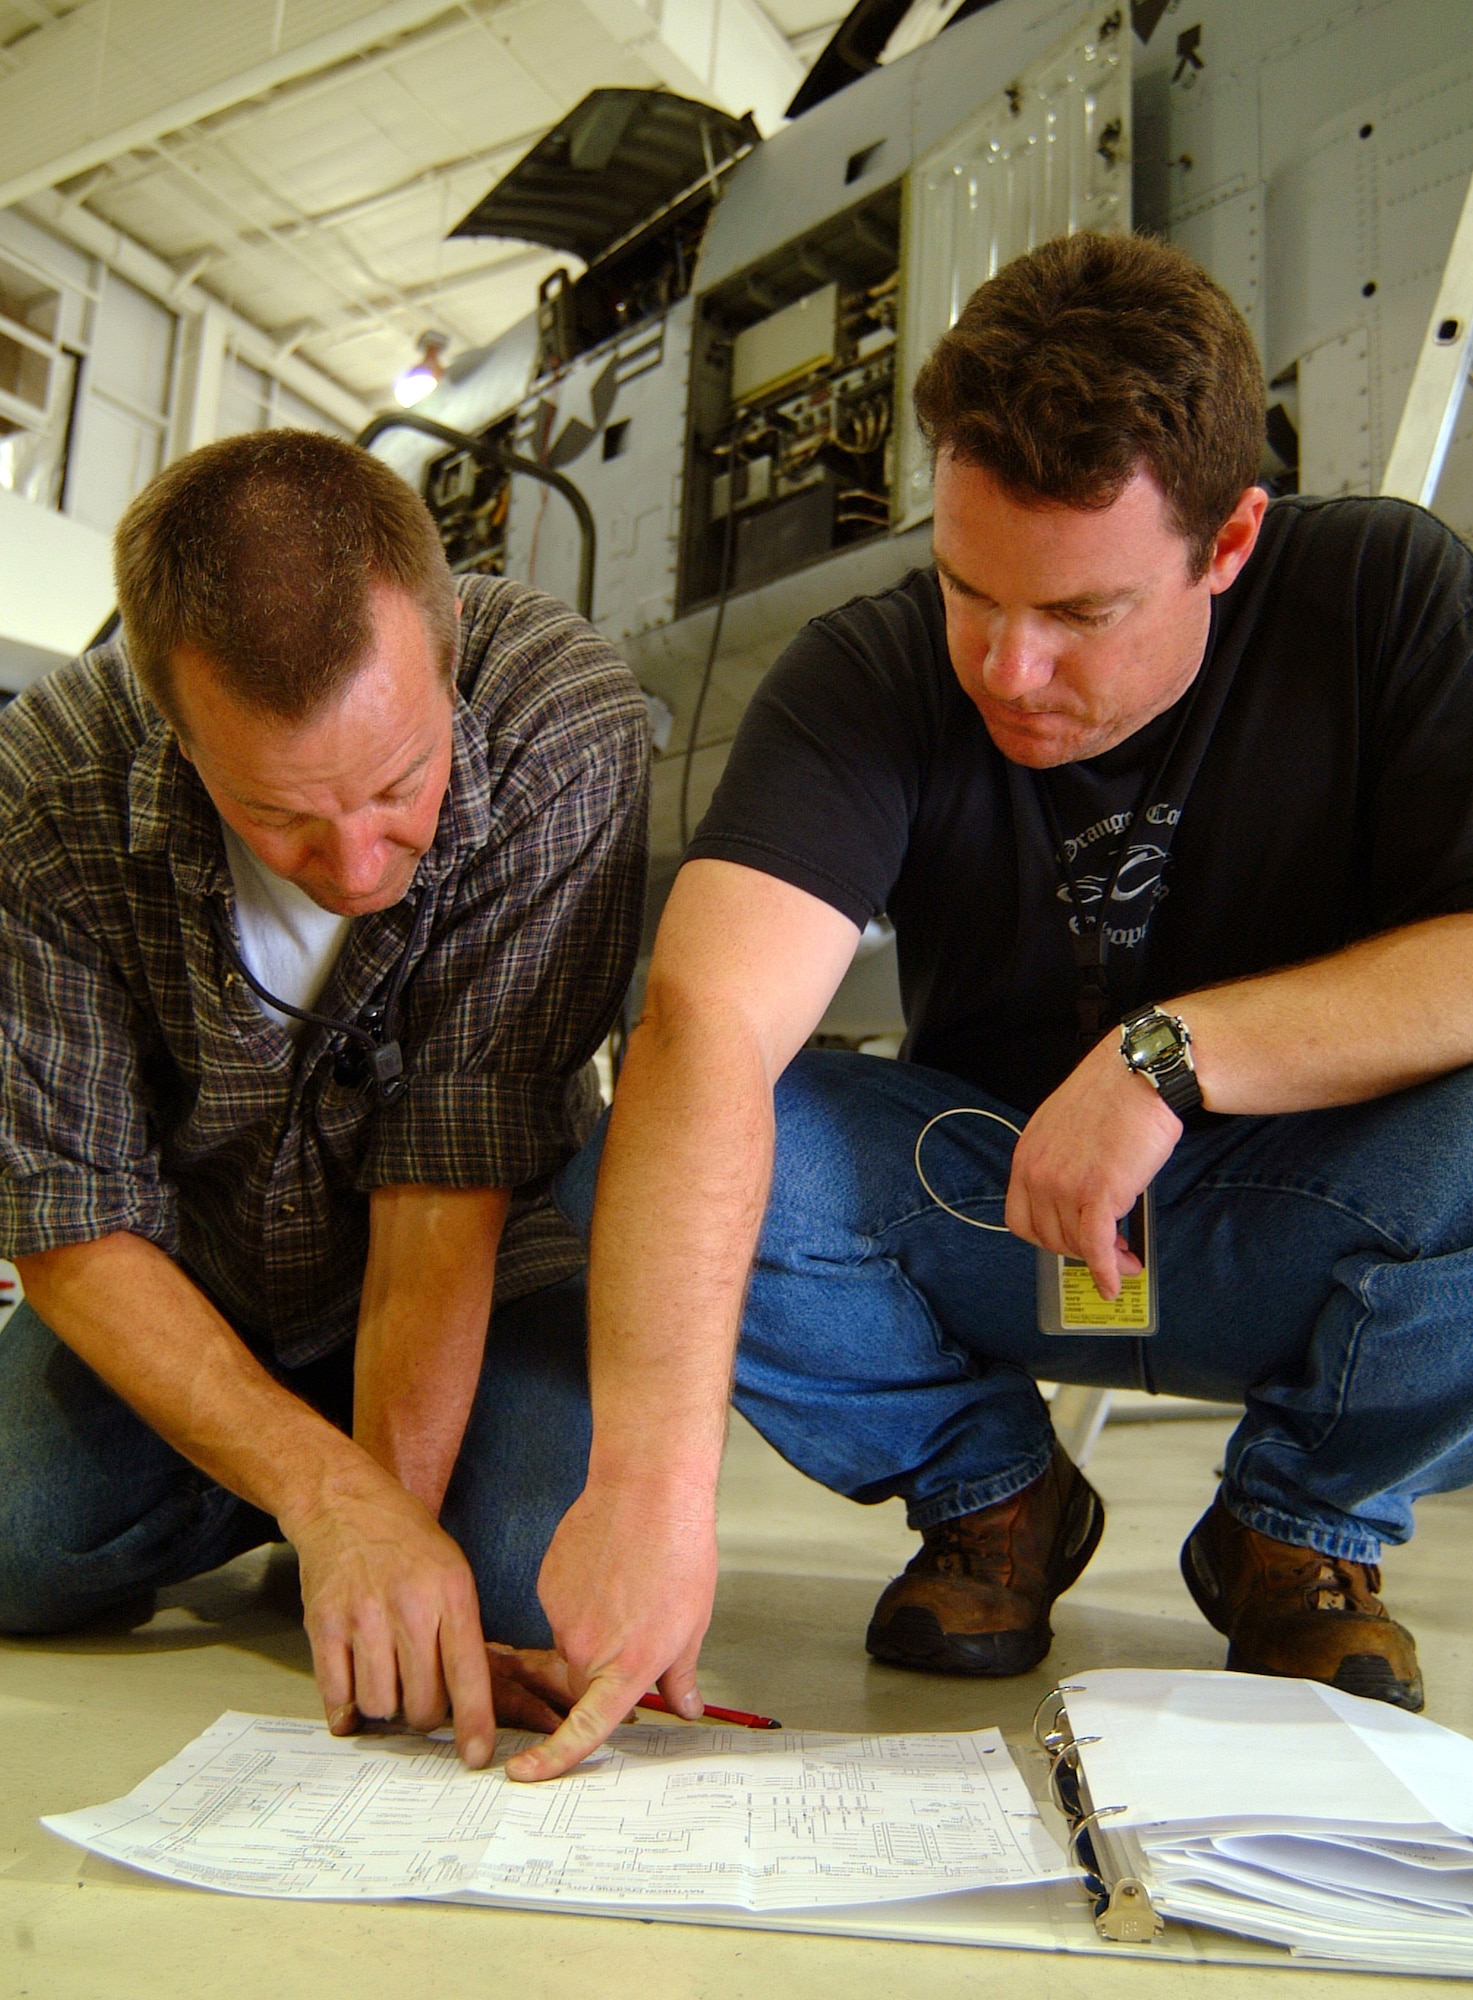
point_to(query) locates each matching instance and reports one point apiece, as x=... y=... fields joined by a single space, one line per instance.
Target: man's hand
x=530 y=1686
x=1379 y=1016
x=1083 y=1159
x=389 y=1598
x=390 y=1601
x=391 y=1612
x=627 y=1585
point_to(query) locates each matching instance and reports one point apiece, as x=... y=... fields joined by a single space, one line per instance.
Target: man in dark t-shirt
x=1333 y=797
x=1167 y=793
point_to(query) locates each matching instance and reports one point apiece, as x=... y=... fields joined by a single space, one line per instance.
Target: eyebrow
x=1085 y=600
x=265 y=805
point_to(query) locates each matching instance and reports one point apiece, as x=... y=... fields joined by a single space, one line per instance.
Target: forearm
x=140 y=1323
x=682 y=1189
x=422 y=1325
x=744 y=966
x=1377 y=1017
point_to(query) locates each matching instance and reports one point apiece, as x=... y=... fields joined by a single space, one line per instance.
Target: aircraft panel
x=614 y=423
x=1047 y=155
x=1245 y=141
x=800 y=176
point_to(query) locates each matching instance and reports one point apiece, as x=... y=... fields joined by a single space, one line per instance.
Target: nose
x=1017 y=659
x=351 y=857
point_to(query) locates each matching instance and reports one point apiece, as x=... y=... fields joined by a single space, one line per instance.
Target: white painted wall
x=162 y=369
x=56 y=587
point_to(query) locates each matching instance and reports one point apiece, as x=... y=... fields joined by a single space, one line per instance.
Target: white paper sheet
x=1284 y=1810
x=1414 y=1873
x=673 y=1816
x=1193 y=1748
x=1433 y=1762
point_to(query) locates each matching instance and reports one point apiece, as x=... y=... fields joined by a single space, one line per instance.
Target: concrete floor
x=83 y=1719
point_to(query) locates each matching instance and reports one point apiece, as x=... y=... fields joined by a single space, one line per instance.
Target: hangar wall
x=109 y=368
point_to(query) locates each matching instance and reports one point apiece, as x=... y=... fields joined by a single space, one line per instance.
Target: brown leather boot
x=976 y=1600
x=1291 y=1611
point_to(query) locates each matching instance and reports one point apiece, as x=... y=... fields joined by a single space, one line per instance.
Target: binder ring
x=1082 y=1825
x=1063 y=1757
x=1054 y=1694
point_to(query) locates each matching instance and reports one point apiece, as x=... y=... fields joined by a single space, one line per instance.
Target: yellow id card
x=1070 y=1302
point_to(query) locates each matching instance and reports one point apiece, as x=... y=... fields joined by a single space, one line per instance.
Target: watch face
x=1153 y=1041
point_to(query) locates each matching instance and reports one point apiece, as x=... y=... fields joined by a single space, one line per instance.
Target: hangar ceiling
x=302 y=160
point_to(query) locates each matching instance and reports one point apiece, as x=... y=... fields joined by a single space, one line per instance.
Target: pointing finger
x=467 y=1675
x=604 y=1706
x=1097 y=1236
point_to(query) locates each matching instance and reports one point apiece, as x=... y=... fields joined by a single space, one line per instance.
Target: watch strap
x=1179 y=1087
x=1175 y=1078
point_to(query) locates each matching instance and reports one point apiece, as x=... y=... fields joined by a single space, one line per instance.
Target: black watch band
x=1158 y=1046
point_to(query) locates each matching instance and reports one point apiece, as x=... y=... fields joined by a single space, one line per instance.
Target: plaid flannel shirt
x=141 y=1086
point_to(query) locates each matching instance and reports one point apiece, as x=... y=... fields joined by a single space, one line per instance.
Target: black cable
x=491 y=452
x=1090 y=936
x=382 y=1057
x=727 y=542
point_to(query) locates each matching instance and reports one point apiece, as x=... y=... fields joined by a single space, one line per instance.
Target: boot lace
x=965 y=1547
x=1330 y=1583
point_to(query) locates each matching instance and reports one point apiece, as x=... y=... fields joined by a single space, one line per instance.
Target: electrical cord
x=381 y=1061
x=728 y=541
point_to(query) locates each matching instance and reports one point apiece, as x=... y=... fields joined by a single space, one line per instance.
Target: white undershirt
x=286 y=940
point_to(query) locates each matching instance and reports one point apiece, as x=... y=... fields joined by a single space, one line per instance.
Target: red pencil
x=737 y=1715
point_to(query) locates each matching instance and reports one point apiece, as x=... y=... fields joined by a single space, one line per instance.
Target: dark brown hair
x=260 y=551
x=1090 y=359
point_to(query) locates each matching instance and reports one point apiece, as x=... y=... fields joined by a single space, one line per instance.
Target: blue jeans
x=1315 y=1266
x=96 y=1508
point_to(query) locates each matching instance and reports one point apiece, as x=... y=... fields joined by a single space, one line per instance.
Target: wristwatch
x=1158 y=1046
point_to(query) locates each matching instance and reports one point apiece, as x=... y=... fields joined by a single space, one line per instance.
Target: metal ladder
x=1430 y=413
x=1078 y=1416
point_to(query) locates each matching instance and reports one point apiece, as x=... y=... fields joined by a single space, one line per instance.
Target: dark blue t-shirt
x=1334 y=798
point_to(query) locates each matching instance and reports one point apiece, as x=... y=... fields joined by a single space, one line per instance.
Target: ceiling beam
x=428 y=178
x=223 y=215
x=116 y=74
x=452 y=27
x=415 y=298
x=151 y=274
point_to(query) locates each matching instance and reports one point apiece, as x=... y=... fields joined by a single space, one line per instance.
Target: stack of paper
x=663 y=1818
x=1284 y=1810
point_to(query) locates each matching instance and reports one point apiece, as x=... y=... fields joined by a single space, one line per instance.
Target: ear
x=1235 y=539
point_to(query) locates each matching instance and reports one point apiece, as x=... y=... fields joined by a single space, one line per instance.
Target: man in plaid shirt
x=315 y=904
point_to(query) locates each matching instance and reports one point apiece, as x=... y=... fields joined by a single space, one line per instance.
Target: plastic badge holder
x=1069 y=1301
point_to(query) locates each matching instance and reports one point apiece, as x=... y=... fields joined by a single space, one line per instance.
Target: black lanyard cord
x=382 y=1056
x=1089 y=936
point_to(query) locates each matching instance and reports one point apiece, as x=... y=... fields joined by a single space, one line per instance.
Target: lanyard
x=380 y=1059
x=1175 y=773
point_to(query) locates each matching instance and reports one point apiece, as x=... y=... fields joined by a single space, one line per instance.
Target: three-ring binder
x=1123 y=1911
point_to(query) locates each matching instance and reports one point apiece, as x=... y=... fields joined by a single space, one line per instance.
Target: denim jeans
x=95 y=1507
x=1316 y=1267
